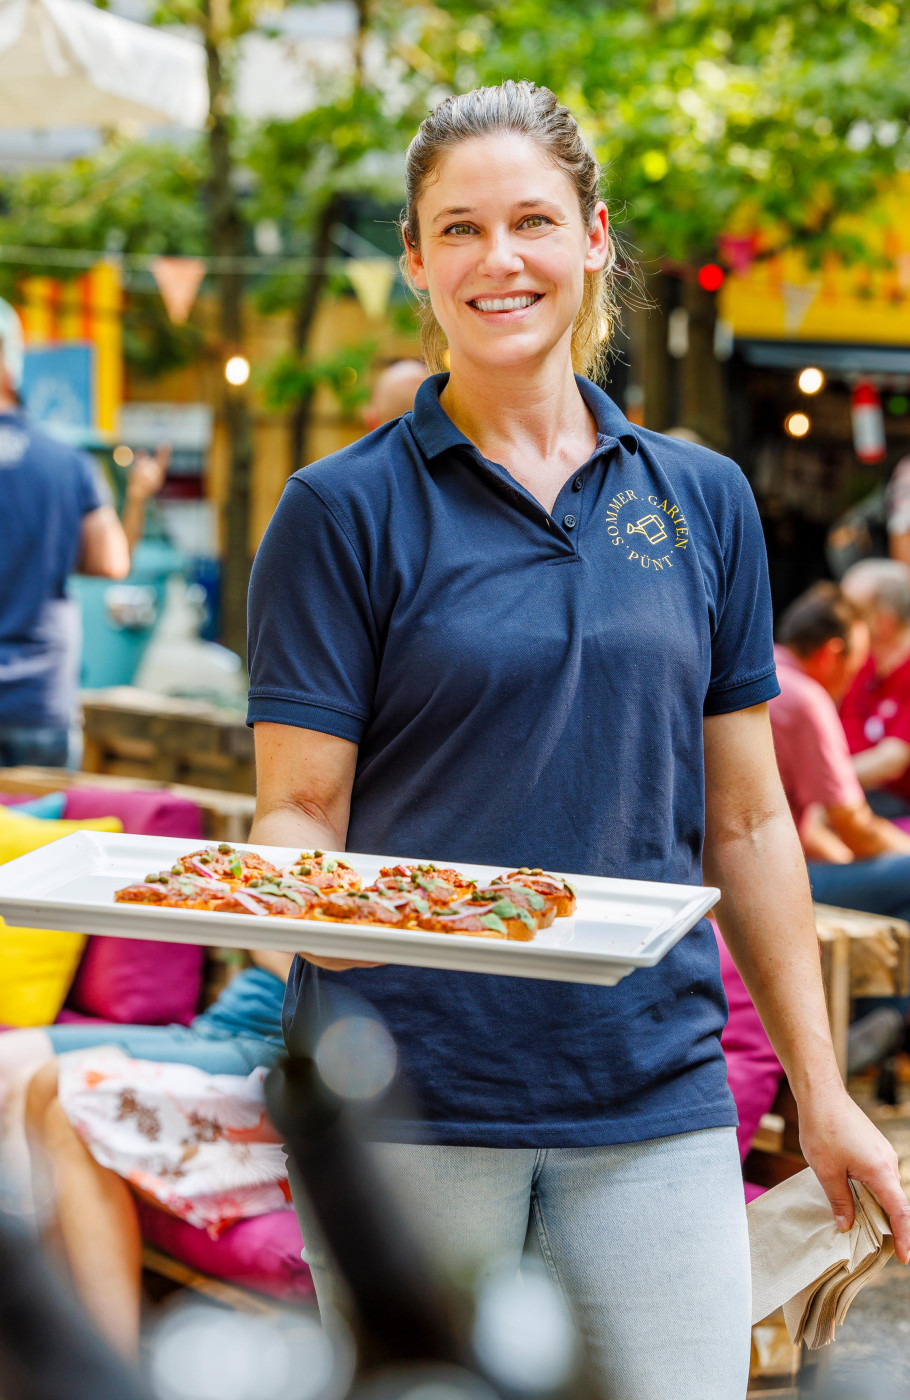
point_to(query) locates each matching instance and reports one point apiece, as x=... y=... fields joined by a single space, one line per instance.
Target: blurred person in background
x=856 y=859
x=876 y=709
x=55 y=520
x=394 y=392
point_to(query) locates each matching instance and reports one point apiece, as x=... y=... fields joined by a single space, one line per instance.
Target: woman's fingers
x=840 y=1197
x=885 y=1185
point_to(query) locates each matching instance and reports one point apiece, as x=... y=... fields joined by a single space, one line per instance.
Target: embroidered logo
x=649 y=530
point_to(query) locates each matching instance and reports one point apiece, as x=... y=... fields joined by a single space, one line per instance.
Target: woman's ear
x=598 y=250
x=416 y=269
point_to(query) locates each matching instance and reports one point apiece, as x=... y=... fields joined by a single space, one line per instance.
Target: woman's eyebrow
x=535 y=203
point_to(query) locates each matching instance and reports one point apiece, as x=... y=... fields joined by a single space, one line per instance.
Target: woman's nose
x=500 y=255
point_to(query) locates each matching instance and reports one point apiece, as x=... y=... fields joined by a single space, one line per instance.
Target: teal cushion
x=49 y=808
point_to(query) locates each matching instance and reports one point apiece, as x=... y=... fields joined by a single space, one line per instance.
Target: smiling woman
x=511 y=626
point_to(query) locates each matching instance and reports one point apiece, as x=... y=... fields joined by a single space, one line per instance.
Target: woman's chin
x=506 y=352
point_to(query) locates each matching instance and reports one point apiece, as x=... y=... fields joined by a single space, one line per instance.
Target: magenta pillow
x=133 y=982
x=127 y=980
x=262 y=1253
x=153 y=813
x=753 y=1070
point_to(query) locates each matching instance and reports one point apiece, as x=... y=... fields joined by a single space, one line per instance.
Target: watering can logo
x=649 y=526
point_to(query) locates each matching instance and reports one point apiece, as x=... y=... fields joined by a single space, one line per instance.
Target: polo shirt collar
x=436 y=433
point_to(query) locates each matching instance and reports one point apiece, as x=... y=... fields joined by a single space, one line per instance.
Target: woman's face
x=503 y=251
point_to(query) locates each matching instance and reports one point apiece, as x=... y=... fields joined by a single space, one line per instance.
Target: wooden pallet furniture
x=136 y=734
x=226 y=816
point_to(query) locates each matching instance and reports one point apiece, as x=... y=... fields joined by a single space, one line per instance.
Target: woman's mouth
x=519 y=302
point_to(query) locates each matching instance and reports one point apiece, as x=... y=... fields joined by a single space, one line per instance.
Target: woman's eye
x=460 y=228
x=536 y=221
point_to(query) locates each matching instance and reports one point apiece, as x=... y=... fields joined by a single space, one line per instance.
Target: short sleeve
x=313 y=642
x=899 y=498
x=742 y=641
x=91 y=488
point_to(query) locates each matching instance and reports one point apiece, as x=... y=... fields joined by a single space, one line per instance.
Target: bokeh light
x=123 y=455
x=237 y=370
x=811 y=380
x=523 y=1333
x=711 y=277
x=356 y=1057
x=797 y=424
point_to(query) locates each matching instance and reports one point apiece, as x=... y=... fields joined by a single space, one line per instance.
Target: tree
x=308 y=171
x=708 y=114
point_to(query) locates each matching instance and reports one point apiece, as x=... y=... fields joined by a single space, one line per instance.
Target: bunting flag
x=372 y=280
x=178 y=280
x=798 y=298
x=738 y=251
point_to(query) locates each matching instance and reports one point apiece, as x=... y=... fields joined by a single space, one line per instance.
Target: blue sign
x=58 y=385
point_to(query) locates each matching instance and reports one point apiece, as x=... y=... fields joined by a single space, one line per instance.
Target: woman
x=511 y=628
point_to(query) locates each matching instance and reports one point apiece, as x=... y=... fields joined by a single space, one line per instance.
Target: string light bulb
x=237 y=370
x=811 y=380
x=797 y=424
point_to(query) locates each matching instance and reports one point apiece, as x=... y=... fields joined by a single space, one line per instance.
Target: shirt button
x=577 y=484
x=569 y=521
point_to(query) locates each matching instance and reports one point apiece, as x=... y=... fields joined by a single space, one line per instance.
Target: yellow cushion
x=37 y=965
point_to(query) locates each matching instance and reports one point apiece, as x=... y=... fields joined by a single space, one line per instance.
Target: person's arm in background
x=752 y=853
x=865 y=834
x=146 y=478
x=817 y=839
x=883 y=763
x=303 y=796
x=103 y=547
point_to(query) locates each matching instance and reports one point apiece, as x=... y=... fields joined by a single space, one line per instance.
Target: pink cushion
x=127 y=980
x=136 y=983
x=150 y=813
x=753 y=1070
x=262 y=1253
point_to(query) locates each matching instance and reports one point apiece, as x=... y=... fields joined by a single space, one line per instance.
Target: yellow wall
x=780 y=297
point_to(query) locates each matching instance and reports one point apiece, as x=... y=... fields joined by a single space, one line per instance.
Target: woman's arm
x=752 y=853
x=303 y=796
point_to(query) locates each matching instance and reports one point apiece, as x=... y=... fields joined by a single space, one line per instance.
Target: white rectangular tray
x=619 y=925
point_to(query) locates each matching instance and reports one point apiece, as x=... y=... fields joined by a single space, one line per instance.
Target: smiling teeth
x=505 y=303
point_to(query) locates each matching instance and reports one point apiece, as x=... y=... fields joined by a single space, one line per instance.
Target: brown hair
x=818 y=615
x=527 y=110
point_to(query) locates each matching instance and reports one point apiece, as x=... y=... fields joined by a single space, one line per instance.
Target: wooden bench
x=136 y=734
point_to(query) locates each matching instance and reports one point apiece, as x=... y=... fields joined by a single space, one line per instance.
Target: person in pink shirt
x=856 y=860
x=875 y=711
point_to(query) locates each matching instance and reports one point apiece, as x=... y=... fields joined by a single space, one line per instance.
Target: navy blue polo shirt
x=526 y=688
x=45 y=490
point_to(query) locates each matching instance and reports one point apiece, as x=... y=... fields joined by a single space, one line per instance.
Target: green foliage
x=292 y=378
x=699 y=109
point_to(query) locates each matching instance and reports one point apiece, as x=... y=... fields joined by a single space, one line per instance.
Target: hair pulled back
x=524 y=109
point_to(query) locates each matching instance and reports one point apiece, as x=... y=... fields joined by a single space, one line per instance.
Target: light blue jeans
x=647 y=1242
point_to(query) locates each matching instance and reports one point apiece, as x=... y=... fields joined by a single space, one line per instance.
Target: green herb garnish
x=491 y=921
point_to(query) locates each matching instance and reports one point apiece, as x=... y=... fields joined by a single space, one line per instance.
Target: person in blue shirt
x=54 y=521
x=512 y=628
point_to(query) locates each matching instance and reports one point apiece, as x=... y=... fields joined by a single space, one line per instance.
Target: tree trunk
x=305 y=317
x=226 y=238
x=703 y=401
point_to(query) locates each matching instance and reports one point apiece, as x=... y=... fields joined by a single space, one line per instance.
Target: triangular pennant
x=798 y=298
x=178 y=280
x=372 y=280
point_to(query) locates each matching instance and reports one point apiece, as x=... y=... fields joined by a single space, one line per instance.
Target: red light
x=711 y=277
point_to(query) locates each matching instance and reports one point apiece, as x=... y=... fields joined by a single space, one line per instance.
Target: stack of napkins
x=802 y=1262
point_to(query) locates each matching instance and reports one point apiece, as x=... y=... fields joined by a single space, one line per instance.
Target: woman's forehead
x=504 y=167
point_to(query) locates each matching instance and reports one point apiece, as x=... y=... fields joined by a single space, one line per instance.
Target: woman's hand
x=840 y=1142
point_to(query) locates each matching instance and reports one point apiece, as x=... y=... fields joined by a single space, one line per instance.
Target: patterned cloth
x=198 y=1145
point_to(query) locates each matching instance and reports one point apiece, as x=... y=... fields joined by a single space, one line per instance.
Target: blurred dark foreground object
x=48 y=1348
